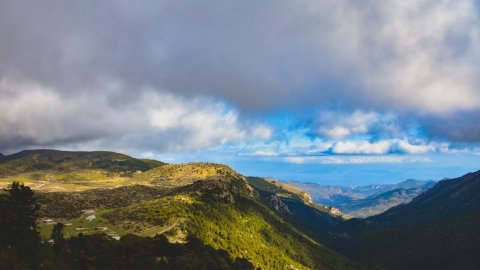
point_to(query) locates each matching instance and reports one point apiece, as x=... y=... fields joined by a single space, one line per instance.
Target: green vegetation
x=89 y=223
x=288 y=193
x=207 y=216
x=18 y=229
x=203 y=205
x=21 y=247
x=281 y=189
x=70 y=205
x=175 y=175
x=211 y=221
x=245 y=227
x=437 y=230
x=52 y=170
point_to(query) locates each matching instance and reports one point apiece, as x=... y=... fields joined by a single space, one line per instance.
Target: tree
x=19 y=236
x=18 y=223
x=57 y=236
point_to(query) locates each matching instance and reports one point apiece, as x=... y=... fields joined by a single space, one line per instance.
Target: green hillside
x=174 y=175
x=227 y=215
x=224 y=213
x=104 y=193
x=54 y=170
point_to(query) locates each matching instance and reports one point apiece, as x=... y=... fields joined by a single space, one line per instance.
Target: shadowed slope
x=436 y=230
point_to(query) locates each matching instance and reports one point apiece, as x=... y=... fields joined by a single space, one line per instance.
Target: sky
x=334 y=92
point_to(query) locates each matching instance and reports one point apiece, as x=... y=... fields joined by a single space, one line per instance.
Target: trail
x=168 y=228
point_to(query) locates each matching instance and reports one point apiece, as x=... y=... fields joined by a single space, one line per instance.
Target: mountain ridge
x=436 y=230
x=364 y=201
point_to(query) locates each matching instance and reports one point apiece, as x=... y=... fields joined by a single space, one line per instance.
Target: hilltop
x=71 y=171
x=174 y=175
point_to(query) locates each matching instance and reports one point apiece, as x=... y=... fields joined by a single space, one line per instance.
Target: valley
x=364 y=201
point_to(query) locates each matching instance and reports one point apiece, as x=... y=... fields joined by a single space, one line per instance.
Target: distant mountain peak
x=411 y=181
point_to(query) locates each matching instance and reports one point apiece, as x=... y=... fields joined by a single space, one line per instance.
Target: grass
x=173 y=175
x=68 y=181
x=83 y=225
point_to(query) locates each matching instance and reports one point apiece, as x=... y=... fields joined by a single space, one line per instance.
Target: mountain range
x=211 y=202
x=364 y=201
x=439 y=229
x=203 y=215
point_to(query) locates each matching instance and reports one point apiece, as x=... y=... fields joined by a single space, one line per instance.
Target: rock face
x=275 y=202
x=334 y=211
x=226 y=188
x=306 y=198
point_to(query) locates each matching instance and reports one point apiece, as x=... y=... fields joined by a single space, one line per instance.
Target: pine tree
x=57 y=236
x=18 y=223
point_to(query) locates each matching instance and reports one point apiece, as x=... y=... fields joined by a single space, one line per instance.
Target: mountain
x=376 y=204
x=447 y=198
x=224 y=211
x=364 y=201
x=66 y=171
x=205 y=215
x=436 y=230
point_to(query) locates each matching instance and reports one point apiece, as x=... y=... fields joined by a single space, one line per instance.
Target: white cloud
x=296 y=160
x=384 y=147
x=406 y=147
x=338 y=125
x=262 y=131
x=361 y=147
x=264 y=153
x=355 y=159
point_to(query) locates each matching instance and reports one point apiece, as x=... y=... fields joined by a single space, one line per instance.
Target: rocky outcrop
x=276 y=202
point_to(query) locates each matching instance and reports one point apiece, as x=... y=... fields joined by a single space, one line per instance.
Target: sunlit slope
x=226 y=213
x=69 y=171
x=209 y=201
x=175 y=175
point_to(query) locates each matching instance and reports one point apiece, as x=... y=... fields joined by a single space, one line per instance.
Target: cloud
x=382 y=147
x=362 y=147
x=339 y=124
x=355 y=159
x=406 y=147
x=177 y=75
x=298 y=151
x=39 y=116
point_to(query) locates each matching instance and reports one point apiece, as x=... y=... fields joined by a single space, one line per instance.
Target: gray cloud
x=38 y=116
x=79 y=71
